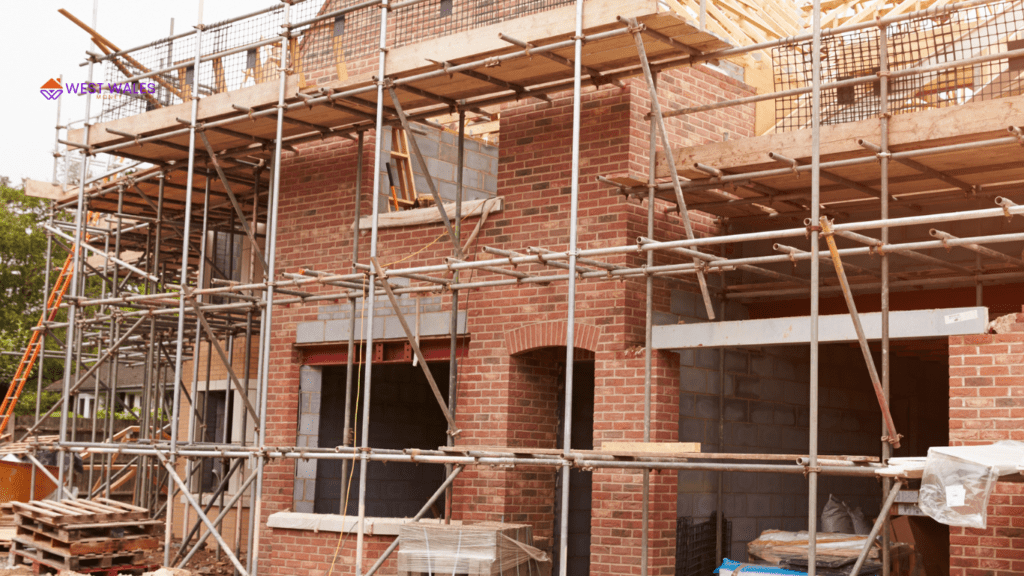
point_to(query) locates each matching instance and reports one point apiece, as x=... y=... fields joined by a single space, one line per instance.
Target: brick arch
x=547 y=334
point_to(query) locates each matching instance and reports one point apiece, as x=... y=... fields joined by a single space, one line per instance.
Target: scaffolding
x=155 y=310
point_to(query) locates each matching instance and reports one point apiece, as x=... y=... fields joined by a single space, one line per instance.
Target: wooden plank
x=164 y=118
x=45 y=190
x=658 y=447
x=943 y=126
x=687 y=455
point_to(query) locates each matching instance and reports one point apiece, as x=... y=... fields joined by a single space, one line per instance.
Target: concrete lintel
x=903 y=325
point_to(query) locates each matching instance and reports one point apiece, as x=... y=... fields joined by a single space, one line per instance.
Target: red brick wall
x=986 y=404
x=512 y=399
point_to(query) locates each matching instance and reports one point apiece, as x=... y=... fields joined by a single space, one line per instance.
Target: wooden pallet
x=132 y=529
x=23 y=447
x=28 y=553
x=80 y=512
x=91 y=540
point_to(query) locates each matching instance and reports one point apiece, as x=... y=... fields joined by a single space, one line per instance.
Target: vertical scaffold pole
x=652 y=186
x=883 y=118
x=372 y=279
x=812 y=475
x=570 y=332
x=76 y=248
x=453 y=362
x=183 y=294
x=350 y=364
x=275 y=193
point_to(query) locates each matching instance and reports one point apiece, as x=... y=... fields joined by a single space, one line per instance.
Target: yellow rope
x=355 y=435
x=359 y=382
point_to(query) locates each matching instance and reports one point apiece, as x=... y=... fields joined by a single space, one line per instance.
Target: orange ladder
x=34 y=349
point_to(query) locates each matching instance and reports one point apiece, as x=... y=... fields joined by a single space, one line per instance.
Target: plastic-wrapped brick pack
x=485 y=548
x=958 y=480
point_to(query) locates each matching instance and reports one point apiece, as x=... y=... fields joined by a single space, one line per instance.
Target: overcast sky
x=40 y=44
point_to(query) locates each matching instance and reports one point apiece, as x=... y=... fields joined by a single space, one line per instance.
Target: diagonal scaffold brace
x=414 y=147
x=827 y=231
x=636 y=29
x=453 y=430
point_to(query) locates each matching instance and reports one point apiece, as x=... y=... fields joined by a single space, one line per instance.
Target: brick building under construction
x=399 y=215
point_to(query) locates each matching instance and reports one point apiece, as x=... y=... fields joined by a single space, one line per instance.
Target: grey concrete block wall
x=766 y=411
x=310 y=384
x=334 y=320
x=440 y=151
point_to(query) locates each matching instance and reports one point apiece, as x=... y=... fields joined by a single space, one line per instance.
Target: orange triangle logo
x=51 y=85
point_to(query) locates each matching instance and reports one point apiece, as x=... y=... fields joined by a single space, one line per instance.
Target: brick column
x=617 y=498
x=986 y=404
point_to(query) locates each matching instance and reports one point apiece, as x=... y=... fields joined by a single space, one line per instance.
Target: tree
x=22 y=272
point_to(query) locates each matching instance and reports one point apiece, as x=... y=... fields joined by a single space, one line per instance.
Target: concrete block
x=747 y=387
x=684 y=503
x=692 y=379
x=313 y=403
x=309 y=424
x=491 y=183
x=429 y=145
x=744 y=529
x=393 y=328
x=761 y=364
x=785 y=415
x=707 y=407
x=480 y=162
x=762 y=413
x=310 y=379
x=707 y=358
x=711 y=435
x=305 y=469
x=784 y=368
x=738 y=434
x=737 y=410
x=774 y=390
x=447 y=190
x=664 y=318
x=303 y=506
x=682 y=303
x=440 y=171
x=448 y=153
x=337 y=330
x=759 y=505
x=704 y=505
x=690 y=430
x=307 y=332
x=687 y=405
x=686 y=357
x=473 y=179
x=735 y=505
x=736 y=361
x=693 y=482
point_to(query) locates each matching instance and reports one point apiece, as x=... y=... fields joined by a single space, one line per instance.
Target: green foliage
x=27 y=403
x=22 y=271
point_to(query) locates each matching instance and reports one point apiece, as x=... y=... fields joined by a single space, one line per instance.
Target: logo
x=51 y=90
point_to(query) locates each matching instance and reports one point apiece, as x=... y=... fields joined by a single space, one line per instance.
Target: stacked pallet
x=84 y=536
x=6 y=526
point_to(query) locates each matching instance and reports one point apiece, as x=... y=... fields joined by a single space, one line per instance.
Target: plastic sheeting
x=730 y=567
x=958 y=480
